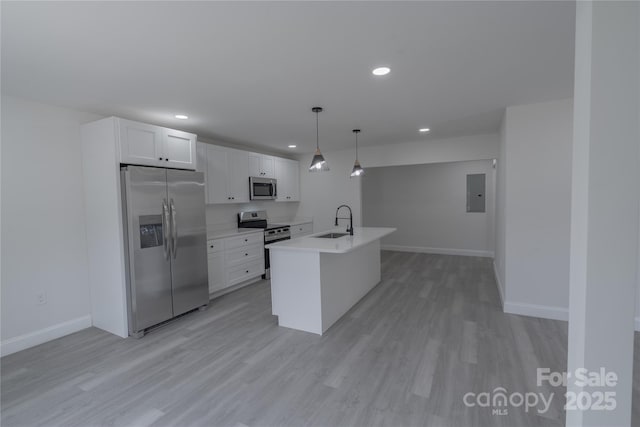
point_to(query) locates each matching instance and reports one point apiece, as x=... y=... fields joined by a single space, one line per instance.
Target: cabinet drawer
x=246 y=271
x=244 y=240
x=215 y=245
x=244 y=254
x=301 y=229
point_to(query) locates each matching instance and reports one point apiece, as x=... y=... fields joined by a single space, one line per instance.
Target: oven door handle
x=278 y=240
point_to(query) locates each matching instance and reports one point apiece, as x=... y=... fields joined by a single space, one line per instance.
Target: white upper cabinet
x=179 y=149
x=216 y=183
x=201 y=165
x=288 y=176
x=149 y=145
x=140 y=144
x=239 y=184
x=227 y=175
x=261 y=165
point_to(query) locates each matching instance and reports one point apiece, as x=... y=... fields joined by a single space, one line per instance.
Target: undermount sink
x=331 y=235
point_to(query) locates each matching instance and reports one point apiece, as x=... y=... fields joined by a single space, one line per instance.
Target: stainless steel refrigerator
x=165 y=244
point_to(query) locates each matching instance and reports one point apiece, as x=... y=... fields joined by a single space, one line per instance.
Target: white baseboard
x=535 y=310
x=441 y=251
x=499 y=283
x=15 y=344
x=544 y=311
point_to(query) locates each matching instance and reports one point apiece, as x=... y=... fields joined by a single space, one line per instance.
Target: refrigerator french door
x=165 y=244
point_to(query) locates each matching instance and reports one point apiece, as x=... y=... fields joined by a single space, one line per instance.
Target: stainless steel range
x=272 y=232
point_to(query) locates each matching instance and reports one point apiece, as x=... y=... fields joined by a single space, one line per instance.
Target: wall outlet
x=41 y=298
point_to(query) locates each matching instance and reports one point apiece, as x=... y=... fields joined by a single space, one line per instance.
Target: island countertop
x=361 y=236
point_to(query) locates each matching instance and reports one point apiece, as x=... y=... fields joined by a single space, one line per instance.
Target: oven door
x=262 y=188
x=267 y=261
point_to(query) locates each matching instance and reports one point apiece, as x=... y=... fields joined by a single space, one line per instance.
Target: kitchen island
x=316 y=280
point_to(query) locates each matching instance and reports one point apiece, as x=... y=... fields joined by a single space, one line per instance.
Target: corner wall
x=44 y=248
x=534 y=207
x=499 y=263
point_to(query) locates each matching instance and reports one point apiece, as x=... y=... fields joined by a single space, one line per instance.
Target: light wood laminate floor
x=405 y=355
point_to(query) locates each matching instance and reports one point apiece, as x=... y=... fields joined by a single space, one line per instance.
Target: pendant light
x=318 y=164
x=357 y=169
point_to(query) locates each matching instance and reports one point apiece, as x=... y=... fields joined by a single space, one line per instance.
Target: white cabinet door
x=254 y=164
x=283 y=179
x=238 y=175
x=217 y=271
x=201 y=166
x=261 y=165
x=140 y=143
x=217 y=174
x=287 y=174
x=268 y=167
x=179 y=149
x=294 y=180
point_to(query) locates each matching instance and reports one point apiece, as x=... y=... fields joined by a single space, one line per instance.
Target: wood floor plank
x=405 y=355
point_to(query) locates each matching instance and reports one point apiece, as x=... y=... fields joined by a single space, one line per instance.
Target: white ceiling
x=250 y=72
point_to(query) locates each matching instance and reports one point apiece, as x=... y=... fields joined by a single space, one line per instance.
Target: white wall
x=536 y=185
x=43 y=230
x=323 y=192
x=427 y=204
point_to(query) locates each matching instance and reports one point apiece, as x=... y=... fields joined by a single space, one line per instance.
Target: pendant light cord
x=356 y=131
x=317 y=133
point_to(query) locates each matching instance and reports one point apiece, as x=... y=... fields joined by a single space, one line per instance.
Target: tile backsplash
x=224 y=216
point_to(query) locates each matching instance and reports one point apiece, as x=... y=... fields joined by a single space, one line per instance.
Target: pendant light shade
x=318 y=163
x=357 y=169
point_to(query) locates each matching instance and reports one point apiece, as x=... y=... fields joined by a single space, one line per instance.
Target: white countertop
x=219 y=234
x=361 y=236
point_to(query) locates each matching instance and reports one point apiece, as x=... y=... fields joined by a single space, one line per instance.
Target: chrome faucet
x=350 y=229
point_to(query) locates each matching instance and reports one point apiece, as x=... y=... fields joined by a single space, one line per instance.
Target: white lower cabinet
x=233 y=260
x=217 y=275
x=246 y=271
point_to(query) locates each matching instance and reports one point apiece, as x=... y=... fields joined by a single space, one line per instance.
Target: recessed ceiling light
x=292 y=146
x=381 y=71
x=181 y=117
x=425 y=130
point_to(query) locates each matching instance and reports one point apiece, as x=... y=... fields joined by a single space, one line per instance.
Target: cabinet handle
x=159 y=158
x=246 y=254
x=167 y=160
x=247 y=271
x=211 y=246
x=246 y=240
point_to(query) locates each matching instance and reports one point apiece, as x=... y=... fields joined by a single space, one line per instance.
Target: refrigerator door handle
x=165 y=233
x=174 y=230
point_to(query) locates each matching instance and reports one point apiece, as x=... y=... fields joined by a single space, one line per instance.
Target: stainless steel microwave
x=262 y=188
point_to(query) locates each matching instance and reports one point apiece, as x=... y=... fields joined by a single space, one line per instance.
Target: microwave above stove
x=262 y=188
